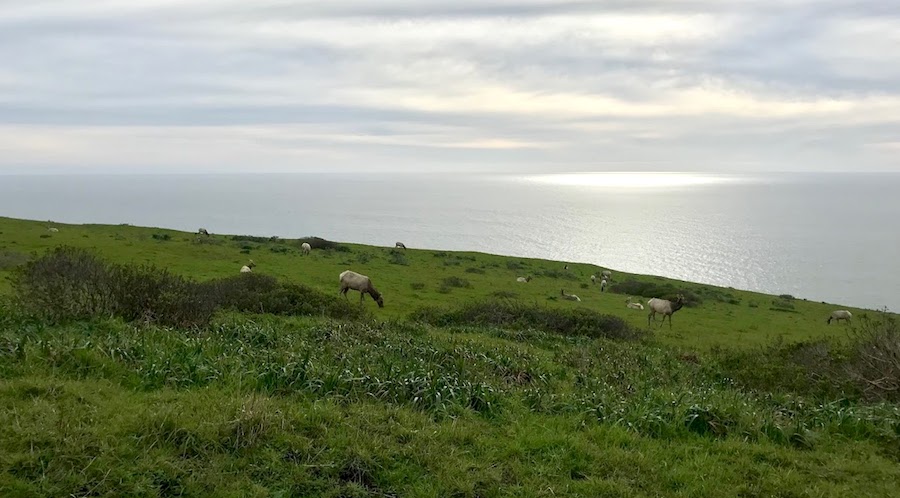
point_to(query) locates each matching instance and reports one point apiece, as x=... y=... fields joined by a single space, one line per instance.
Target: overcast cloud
x=535 y=85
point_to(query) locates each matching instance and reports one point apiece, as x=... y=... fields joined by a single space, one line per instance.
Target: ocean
x=824 y=237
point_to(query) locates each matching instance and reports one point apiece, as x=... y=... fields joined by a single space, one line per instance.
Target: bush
x=658 y=290
x=515 y=265
x=397 y=258
x=250 y=238
x=417 y=285
x=519 y=316
x=867 y=367
x=874 y=358
x=73 y=284
x=782 y=305
x=161 y=236
x=320 y=243
x=456 y=282
x=477 y=271
x=12 y=259
x=255 y=293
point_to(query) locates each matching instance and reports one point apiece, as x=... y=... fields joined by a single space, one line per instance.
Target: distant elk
x=203 y=231
x=248 y=268
x=603 y=284
x=400 y=245
x=665 y=307
x=524 y=280
x=840 y=315
x=305 y=247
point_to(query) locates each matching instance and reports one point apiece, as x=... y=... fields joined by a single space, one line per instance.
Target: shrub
x=477 y=271
x=255 y=293
x=584 y=285
x=280 y=249
x=363 y=258
x=515 y=265
x=12 y=259
x=73 y=284
x=660 y=290
x=456 y=282
x=562 y=274
x=787 y=297
x=503 y=294
x=874 y=362
x=322 y=244
x=250 y=238
x=515 y=315
x=417 y=285
x=782 y=305
x=397 y=258
x=161 y=236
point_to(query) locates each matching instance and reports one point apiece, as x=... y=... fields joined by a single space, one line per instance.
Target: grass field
x=414 y=278
x=747 y=395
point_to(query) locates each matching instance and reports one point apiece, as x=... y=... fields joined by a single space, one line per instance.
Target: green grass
x=444 y=276
x=440 y=393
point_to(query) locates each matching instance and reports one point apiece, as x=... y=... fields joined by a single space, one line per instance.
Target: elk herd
x=350 y=280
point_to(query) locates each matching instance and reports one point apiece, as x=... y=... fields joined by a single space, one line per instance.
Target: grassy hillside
x=414 y=278
x=440 y=393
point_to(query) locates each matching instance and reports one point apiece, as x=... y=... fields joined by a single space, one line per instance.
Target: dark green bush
x=320 y=243
x=477 y=271
x=659 y=290
x=516 y=315
x=161 y=236
x=250 y=238
x=397 y=258
x=11 y=259
x=417 y=285
x=73 y=284
x=255 y=293
x=456 y=282
x=866 y=367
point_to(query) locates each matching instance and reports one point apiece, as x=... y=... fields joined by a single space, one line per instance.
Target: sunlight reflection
x=630 y=180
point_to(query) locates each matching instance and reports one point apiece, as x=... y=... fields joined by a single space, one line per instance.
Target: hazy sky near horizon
x=462 y=85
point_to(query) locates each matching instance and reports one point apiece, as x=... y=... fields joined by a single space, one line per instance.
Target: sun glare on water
x=629 y=180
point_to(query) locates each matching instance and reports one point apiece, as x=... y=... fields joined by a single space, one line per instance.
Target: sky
x=200 y=86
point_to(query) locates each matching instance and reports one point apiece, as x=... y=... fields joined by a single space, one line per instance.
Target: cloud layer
x=272 y=85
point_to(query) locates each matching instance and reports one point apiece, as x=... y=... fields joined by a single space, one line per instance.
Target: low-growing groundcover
x=266 y=405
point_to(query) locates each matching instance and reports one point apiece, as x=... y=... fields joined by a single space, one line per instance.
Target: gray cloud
x=158 y=85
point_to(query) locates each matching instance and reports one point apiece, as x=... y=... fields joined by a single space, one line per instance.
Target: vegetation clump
x=518 y=315
x=658 y=290
x=69 y=284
